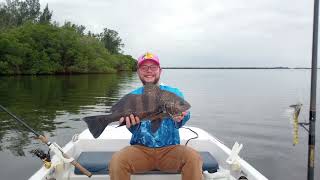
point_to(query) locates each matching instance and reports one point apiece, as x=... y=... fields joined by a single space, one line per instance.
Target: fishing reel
x=45 y=157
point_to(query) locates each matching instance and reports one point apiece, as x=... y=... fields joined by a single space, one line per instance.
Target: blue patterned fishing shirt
x=168 y=132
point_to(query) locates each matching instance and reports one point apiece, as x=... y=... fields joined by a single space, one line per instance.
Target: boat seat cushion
x=97 y=163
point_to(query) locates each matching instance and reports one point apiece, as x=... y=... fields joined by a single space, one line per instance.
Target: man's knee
x=115 y=160
x=118 y=167
x=119 y=160
x=192 y=156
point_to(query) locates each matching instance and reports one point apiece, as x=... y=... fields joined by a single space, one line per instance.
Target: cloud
x=202 y=32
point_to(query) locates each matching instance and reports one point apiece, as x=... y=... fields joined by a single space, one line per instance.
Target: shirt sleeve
x=134 y=128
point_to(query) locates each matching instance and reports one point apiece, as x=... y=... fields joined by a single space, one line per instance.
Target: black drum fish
x=153 y=104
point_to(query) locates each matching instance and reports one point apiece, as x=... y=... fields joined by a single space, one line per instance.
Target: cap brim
x=139 y=63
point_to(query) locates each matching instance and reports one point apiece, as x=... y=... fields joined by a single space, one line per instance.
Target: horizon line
x=277 y=67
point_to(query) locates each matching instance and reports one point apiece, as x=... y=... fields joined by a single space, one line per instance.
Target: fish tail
x=97 y=124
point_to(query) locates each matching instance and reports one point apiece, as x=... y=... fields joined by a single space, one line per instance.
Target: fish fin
x=155 y=124
x=97 y=124
x=151 y=88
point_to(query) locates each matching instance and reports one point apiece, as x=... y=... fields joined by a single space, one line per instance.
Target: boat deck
x=113 y=139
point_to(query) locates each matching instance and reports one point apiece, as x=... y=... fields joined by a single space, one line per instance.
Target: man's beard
x=154 y=82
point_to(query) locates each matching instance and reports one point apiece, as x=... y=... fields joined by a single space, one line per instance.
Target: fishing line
x=52 y=146
x=192 y=137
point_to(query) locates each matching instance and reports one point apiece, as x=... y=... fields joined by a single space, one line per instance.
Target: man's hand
x=130 y=120
x=180 y=117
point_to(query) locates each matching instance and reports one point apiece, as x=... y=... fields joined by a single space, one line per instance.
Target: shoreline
x=88 y=73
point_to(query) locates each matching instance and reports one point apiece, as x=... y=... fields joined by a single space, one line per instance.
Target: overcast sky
x=201 y=32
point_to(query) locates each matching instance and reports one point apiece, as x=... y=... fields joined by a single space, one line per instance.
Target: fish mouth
x=180 y=110
x=186 y=106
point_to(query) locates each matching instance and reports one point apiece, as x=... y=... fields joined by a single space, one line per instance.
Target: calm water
x=248 y=106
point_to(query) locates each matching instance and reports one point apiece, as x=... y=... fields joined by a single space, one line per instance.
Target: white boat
x=94 y=155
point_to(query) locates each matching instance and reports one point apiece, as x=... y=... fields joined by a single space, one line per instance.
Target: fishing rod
x=52 y=145
x=313 y=98
x=313 y=94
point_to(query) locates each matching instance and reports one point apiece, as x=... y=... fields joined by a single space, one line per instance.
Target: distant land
x=234 y=68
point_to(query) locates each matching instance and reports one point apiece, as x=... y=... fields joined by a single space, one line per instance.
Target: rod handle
x=43 y=139
x=81 y=168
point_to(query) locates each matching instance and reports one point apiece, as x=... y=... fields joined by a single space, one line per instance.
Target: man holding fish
x=155 y=144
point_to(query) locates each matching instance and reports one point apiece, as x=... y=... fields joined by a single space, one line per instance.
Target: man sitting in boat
x=160 y=150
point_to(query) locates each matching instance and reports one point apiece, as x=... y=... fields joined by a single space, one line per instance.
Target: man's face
x=149 y=72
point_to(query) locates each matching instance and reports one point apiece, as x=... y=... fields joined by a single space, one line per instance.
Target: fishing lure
x=296 y=112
